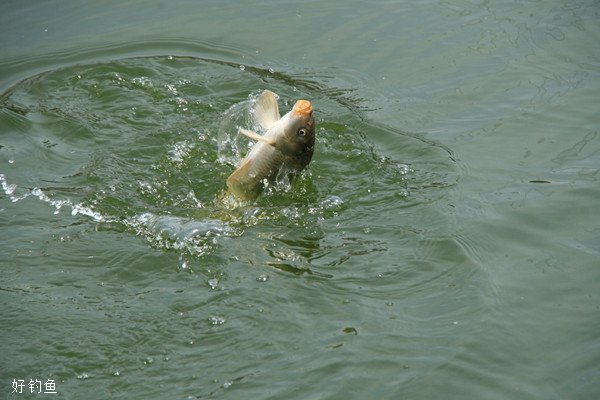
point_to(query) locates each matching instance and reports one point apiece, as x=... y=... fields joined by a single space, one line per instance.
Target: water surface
x=443 y=242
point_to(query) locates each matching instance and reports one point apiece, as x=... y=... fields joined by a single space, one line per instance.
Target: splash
x=12 y=191
x=187 y=235
x=195 y=237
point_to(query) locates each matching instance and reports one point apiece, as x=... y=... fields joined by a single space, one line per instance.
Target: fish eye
x=302 y=132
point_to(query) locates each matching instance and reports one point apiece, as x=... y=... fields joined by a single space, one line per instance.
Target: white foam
x=11 y=190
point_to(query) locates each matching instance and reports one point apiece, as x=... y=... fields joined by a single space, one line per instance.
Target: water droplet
x=213 y=283
x=333 y=203
x=216 y=320
x=404 y=169
x=142 y=81
x=171 y=88
x=403 y=193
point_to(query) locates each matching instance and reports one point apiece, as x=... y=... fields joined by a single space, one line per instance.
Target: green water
x=443 y=243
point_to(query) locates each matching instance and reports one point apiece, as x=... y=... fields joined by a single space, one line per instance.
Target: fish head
x=299 y=134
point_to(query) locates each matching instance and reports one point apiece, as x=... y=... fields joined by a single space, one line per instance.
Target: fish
x=286 y=147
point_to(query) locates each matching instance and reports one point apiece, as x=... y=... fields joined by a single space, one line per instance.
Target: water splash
x=195 y=237
x=231 y=145
x=163 y=148
x=76 y=208
x=9 y=190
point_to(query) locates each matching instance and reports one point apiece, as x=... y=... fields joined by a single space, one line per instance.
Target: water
x=443 y=243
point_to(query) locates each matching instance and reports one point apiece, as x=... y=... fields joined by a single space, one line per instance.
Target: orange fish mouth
x=303 y=108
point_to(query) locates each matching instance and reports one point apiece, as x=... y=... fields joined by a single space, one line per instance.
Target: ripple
x=156 y=137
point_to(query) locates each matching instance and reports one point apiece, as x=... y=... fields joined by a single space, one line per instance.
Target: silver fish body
x=287 y=146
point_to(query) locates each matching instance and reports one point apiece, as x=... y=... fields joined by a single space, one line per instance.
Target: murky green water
x=443 y=243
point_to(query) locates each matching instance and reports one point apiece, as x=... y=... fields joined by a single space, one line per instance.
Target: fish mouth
x=303 y=108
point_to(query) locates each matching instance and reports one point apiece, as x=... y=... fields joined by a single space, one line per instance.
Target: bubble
x=242 y=67
x=83 y=376
x=262 y=278
x=271 y=70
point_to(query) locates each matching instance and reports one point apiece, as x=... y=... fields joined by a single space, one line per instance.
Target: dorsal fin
x=266 y=109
